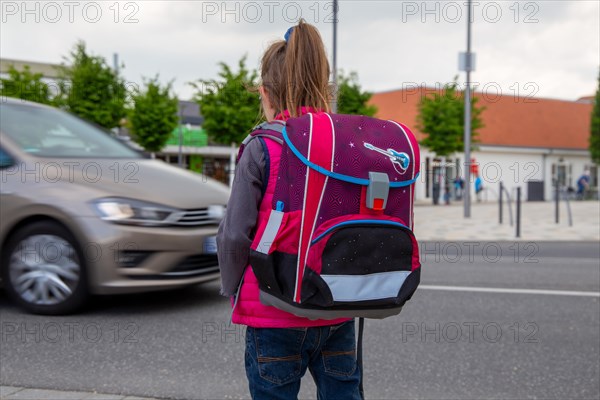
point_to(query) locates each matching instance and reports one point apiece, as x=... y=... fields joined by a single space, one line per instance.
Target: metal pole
x=232 y=157
x=509 y=203
x=569 y=214
x=557 y=198
x=116 y=71
x=519 y=211
x=180 y=155
x=116 y=63
x=335 y=88
x=467 y=136
x=500 y=204
x=510 y=207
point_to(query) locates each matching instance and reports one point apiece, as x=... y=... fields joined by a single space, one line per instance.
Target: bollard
x=500 y=204
x=569 y=214
x=557 y=201
x=519 y=211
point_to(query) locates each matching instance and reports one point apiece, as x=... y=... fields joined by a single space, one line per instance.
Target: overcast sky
x=542 y=48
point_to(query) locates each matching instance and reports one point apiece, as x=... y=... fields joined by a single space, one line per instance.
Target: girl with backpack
x=280 y=346
x=318 y=228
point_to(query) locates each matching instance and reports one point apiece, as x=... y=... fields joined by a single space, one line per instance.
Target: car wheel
x=43 y=269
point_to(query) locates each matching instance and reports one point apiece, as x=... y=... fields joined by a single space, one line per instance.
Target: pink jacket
x=248 y=310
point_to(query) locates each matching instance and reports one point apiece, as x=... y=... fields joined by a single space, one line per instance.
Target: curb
x=21 y=393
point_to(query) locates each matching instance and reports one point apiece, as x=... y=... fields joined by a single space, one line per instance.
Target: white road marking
x=509 y=290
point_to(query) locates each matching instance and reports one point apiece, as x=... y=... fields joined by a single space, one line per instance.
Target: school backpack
x=338 y=241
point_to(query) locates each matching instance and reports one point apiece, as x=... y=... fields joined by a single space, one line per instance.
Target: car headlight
x=134 y=212
x=216 y=212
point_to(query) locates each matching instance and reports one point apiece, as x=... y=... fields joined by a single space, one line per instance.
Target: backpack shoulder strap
x=359 y=356
x=260 y=131
x=271 y=130
x=276 y=126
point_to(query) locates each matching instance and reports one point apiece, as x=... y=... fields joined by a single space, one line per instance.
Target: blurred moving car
x=82 y=213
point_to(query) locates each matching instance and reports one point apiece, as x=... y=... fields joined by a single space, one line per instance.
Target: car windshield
x=49 y=132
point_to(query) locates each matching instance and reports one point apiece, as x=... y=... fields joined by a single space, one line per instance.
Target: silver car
x=82 y=213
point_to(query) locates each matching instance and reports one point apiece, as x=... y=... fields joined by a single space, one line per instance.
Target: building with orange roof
x=526 y=141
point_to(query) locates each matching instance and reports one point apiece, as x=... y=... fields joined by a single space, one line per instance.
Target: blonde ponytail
x=296 y=72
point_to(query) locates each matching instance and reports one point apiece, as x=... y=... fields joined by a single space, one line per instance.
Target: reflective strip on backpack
x=376 y=286
x=268 y=236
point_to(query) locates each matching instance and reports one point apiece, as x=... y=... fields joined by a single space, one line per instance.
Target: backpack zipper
x=360 y=222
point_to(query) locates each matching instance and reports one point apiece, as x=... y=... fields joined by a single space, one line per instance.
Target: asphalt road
x=446 y=344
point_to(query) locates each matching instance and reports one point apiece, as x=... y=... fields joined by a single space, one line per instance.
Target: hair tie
x=288 y=33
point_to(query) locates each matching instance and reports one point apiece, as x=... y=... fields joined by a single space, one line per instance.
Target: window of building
x=563 y=173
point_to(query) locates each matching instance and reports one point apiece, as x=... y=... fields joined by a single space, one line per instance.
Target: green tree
x=351 y=99
x=442 y=116
x=25 y=85
x=595 y=131
x=153 y=115
x=91 y=89
x=228 y=107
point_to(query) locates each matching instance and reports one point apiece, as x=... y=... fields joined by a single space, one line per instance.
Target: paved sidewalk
x=446 y=223
x=19 y=393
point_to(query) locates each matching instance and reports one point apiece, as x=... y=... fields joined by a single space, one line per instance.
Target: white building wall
x=514 y=167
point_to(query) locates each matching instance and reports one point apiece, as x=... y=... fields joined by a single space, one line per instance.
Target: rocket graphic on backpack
x=338 y=240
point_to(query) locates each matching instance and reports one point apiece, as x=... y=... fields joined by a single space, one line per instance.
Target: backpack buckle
x=377 y=191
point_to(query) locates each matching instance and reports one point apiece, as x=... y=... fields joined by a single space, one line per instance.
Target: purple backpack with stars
x=335 y=238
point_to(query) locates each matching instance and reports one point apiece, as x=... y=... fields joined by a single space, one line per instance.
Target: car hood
x=149 y=180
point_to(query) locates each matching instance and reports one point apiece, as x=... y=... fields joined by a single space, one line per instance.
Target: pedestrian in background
x=583 y=184
x=459 y=185
x=478 y=187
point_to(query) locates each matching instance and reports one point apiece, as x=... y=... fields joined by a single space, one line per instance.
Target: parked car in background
x=82 y=213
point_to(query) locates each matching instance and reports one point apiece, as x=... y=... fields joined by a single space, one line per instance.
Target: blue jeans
x=277 y=359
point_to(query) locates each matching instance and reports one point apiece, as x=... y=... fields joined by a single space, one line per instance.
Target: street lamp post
x=467 y=64
x=180 y=155
x=335 y=88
